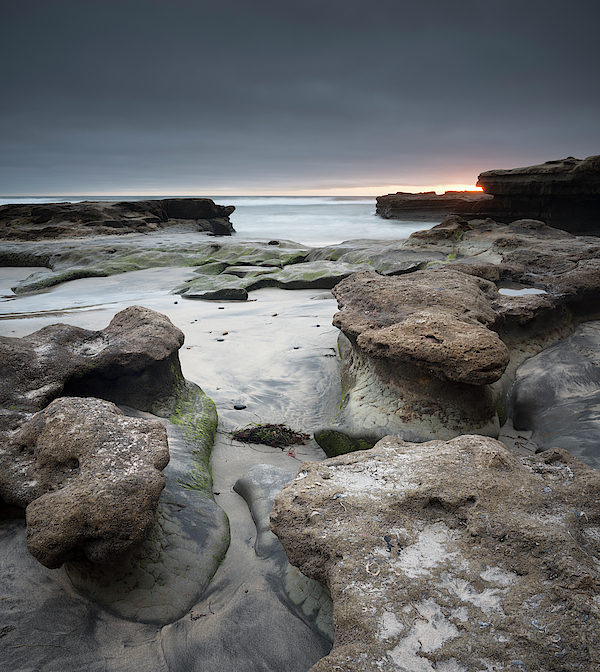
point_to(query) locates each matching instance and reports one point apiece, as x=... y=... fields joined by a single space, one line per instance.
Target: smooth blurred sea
x=310 y=220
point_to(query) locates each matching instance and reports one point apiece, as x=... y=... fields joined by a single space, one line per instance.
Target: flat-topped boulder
x=455 y=555
x=90 y=218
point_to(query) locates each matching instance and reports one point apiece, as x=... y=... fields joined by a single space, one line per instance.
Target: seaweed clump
x=276 y=436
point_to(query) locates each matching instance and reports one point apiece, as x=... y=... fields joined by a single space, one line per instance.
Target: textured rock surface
x=89 y=477
x=556 y=395
x=160 y=580
x=430 y=354
x=70 y=220
x=451 y=555
x=308 y=275
x=436 y=321
x=563 y=194
x=133 y=360
x=417 y=359
x=428 y=205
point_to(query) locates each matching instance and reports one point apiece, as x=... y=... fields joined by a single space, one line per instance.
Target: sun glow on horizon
x=370 y=191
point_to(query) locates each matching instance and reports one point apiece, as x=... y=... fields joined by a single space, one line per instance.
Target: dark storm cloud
x=252 y=94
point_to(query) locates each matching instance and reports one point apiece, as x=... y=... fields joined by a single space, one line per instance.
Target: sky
x=236 y=97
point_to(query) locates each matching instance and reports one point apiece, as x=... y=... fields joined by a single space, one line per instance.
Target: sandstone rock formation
x=428 y=205
x=451 y=555
x=556 y=395
x=431 y=353
x=73 y=220
x=89 y=477
x=134 y=361
x=564 y=194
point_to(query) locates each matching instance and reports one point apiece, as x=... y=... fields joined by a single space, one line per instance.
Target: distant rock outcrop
x=429 y=206
x=89 y=218
x=564 y=194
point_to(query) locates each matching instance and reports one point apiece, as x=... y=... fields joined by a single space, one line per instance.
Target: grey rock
x=134 y=360
x=556 y=395
x=564 y=193
x=161 y=580
x=310 y=599
x=453 y=555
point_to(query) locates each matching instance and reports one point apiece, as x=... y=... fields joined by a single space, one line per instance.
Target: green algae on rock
x=159 y=581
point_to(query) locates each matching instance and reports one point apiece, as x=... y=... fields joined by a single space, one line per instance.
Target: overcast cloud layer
x=266 y=96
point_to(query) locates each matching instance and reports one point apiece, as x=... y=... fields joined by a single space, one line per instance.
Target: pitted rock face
x=453 y=555
x=90 y=478
x=434 y=320
x=133 y=361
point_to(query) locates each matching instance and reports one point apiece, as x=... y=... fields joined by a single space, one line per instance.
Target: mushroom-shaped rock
x=90 y=478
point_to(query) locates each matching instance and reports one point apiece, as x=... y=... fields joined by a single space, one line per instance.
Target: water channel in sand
x=275 y=354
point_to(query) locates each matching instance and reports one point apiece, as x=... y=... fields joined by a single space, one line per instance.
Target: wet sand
x=276 y=355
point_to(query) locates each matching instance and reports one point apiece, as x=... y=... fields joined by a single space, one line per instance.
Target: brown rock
x=453 y=555
x=564 y=194
x=90 y=478
x=134 y=361
x=434 y=320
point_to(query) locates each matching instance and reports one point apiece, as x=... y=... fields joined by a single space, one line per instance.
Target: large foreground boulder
x=450 y=556
x=89 y=477
x=134 y=361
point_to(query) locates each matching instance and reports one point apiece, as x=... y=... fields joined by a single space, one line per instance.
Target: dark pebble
x=220 y=339
x=239 y=407
x=175 y=302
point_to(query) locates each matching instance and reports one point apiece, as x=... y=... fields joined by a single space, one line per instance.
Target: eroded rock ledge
x=89 y=218
x=564 y=194
x=454 y=555
x=431 y=353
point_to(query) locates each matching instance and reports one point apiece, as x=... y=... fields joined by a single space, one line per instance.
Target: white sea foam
x=310 y=220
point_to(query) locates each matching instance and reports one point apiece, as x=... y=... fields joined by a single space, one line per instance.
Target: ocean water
x=314 y=220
